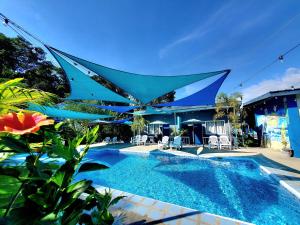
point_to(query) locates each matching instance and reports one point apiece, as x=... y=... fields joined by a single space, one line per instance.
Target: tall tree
x=228 y=106
x=20 y=59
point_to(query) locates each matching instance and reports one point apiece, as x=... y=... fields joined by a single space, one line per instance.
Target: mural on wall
x=276 y=128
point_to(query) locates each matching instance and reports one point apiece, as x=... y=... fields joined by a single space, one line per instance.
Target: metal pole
x=175 y=122
x=194 y=134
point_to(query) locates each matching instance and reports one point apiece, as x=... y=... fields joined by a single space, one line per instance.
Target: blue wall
x=203 y=115
x=294 y=126
x=285 y=106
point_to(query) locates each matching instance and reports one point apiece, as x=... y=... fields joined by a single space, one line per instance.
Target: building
x=196 y=132
x=275 y=116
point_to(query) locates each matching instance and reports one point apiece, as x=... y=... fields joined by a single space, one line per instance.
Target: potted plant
x=285 y=150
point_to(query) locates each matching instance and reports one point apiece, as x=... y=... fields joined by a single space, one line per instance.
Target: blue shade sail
x=206 y=96
x=149 y=111
x=121 y=121
x=62 y=113
x=143 y=87
x=84 y=87
x=118 y=109
x=128 y=123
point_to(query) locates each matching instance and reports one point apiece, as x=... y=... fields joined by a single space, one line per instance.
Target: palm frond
x=14 y=98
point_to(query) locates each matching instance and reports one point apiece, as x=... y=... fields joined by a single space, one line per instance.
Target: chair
x=144 y=139
x=177 y=143
x=137 y=140
x=213 y=142
x=224 y=142
x=107 y=140
x=114 y=140
x=163 y=143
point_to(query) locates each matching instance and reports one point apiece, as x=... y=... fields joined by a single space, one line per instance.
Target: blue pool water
x=234 y=188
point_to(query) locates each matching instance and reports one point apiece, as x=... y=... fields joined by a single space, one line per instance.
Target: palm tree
x=13 y=97
x=138 y=124
x=228 y=106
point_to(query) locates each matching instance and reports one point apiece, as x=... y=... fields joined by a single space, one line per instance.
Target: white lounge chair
x=213 y=142
x=224 y=142
x=163 y=143
x=107 y=140
x=114 y=140
x=177 y=143
x=137 y=139
x=144 y=139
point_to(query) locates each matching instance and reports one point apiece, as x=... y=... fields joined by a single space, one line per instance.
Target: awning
x=191 y=121
x=149 y=111
x=158 y=122
x=119 y=109
x=143 y=87
x=84 y=87
x=206 y=96
x=62 y=113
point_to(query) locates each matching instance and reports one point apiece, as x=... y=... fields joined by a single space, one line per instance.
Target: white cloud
x=291 y=77
x=199 y=31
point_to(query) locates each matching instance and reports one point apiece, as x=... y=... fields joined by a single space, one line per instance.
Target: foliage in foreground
x=47 y=192
x=42 y=189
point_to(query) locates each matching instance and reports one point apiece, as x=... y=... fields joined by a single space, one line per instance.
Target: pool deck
x=141 y=210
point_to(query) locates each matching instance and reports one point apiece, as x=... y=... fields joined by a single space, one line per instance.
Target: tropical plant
x=283 y=137
x=178 y=132
x=40 y=190
x=14 y=97
x=50 y=188
x=228 y=106
x=138 y=124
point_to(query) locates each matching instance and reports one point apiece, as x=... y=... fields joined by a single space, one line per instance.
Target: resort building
x=275 y=117
x=196 y=123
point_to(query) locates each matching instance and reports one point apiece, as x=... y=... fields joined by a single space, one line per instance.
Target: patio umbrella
x=158 y=122
x=192 y=122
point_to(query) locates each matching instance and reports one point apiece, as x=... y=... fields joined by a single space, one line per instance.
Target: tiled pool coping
x=293 y=186
x=166 y=213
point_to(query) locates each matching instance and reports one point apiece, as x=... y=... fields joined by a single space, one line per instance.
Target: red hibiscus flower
x=23 y=123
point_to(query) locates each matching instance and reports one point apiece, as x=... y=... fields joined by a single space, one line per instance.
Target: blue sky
x=173 y=37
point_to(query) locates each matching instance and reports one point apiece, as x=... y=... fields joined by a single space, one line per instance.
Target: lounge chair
x=144 y=139
x=114 y=140
x=176 y=143
x=224 y=142
x=213 y=142
x=107 y=140
x=136 y=140
x=163 y=143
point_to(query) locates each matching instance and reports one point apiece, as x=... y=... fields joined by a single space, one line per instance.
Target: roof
x=271 y=94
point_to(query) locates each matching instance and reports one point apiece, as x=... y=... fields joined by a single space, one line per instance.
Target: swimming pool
x=234 y=188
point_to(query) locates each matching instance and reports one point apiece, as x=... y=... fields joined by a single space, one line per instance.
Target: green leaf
x=39 y=199
x=79 y=186
x=10 y=171
x=14 y=145
x=58 y=125
x=91 y=167
x=116 y=200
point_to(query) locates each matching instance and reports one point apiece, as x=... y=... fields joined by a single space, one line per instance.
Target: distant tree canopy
x=18 y=58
